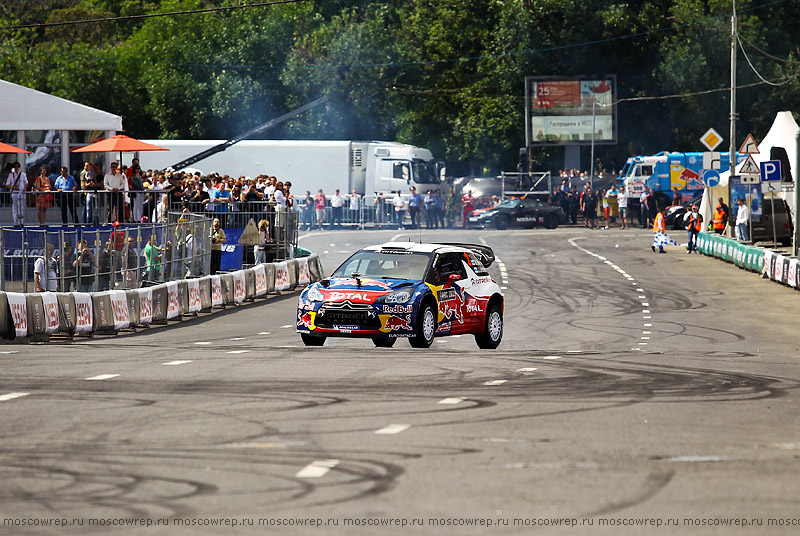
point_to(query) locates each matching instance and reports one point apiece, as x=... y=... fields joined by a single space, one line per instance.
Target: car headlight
x=401 y=296
x=314 y=294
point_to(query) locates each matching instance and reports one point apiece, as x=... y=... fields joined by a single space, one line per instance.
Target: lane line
x=526 y=369
x=495 y=382
x=263 y=332
x=287 y=326
x=452 y=400
x=392 y=429
x=238 y=351
x=12 y=396
x=103 y=377
x=203 y=343
x=175 y=363
x=316 y=469
x=237 y=339
x=553 y=356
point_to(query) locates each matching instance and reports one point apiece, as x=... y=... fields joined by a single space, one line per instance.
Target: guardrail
x=36 y=317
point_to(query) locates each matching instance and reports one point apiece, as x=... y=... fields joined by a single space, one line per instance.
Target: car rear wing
x=484 y=253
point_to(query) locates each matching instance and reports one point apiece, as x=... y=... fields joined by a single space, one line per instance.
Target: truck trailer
x=368 y=167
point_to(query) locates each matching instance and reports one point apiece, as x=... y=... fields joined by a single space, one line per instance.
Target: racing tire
x=425 y=328
x=551 y=221
x=380 y=342
x=502 y=221
x=310 y=340
x=493 y=329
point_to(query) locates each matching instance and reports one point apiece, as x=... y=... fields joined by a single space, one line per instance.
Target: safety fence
x=38 y=316
x=728 y=249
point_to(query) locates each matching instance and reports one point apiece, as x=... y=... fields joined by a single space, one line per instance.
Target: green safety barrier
x=731 y=250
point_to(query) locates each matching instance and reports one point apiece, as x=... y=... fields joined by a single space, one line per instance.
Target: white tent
x=27 y=109
x=783 y=133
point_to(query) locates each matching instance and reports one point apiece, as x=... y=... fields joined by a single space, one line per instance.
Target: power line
x=146 y=15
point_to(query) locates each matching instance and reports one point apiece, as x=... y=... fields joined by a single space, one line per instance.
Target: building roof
x=27 y=109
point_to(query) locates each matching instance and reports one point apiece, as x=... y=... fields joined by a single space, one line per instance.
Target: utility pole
x=591 y=165
x=733 y=112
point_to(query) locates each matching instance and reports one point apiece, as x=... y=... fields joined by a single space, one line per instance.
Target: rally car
x=519 y=212
x=406 y=290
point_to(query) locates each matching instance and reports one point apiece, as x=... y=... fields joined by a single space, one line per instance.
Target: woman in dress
x=45 y=200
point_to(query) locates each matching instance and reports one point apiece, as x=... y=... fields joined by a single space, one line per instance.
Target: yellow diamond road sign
x=711 y=139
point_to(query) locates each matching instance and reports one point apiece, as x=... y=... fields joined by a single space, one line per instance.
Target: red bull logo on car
x=394 y=322
x=305 y=320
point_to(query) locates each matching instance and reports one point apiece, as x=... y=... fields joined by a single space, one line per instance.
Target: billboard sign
x=560 y=110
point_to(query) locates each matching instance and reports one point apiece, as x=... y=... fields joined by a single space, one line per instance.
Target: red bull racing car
x=406 y=290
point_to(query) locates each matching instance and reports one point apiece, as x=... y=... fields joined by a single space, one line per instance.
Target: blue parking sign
x=771 y=170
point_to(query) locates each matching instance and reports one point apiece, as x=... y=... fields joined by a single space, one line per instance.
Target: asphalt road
x=631 y=389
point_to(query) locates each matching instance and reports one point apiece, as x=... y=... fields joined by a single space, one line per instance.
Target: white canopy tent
x=52 y=118
x=783 y=133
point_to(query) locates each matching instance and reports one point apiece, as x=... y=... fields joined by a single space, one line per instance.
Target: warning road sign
x=750 y=167
x=749 y=146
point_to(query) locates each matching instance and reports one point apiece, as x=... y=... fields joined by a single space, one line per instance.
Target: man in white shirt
x=622 y=201
x=17 y=182
x=399 y=209
x=117 y=184
x=45 y=277
x=355 y=206
x=337 y=202
x=742 y=217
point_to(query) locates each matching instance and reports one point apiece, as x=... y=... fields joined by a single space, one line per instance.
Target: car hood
x=365 y=284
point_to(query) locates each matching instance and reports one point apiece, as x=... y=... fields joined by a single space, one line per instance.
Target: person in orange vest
x=719 y=220
x=661 y=237
x=694 y=224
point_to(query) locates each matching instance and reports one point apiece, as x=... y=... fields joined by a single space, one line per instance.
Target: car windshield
x=383 y=264
x=507 y=203
x=424 y=172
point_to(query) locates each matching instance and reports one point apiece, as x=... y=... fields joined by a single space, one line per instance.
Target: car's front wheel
x=310 y=340
x=551 y=221
x=380 y=342
x=493 y=329
x=502 y=221
x=425 y=328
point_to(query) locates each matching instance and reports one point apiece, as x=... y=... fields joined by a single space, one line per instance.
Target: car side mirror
x=452 y=278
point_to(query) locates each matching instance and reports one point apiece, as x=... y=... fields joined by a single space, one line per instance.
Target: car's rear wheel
x=380 y=342
x=493 y=329
x=310 y=340
x=425 y=328
x=502 y=221
x=551 y=221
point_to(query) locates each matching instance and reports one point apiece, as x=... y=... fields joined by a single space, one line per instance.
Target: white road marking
x=646 y=311
x=503 y=288
x=317 y=469
x=645 y=338
x=526 y=369
x=647 y=317
x=238 y=351
x=642 y=344
x=287 y=326
x=645 y=304
x=392 y=429
x=556 y=356
x=288 y=346
x=453 y=400
x=642 y=297
x=648 y=325
x=237 y=339
x=175 y=363
x=645 y=333
x=395 y=237
x=103 y=377
x=263 y=332
x=12 y=396
x=7 y=352
x=574 y=351
x=639 y=290
x=203 y=343
x=495 y=382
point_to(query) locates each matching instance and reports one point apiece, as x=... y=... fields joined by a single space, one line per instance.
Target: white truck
x=367 y=166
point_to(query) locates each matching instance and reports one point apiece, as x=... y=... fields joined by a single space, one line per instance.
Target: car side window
x=476 y=264
x=446 y=265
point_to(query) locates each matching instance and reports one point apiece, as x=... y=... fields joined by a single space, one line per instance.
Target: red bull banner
x=50 y=302
x=239 y=286
x=303 y=273
x=194 y=295
x=173 y=300
x=282 y=281
x=216 y=291
x=119 y=306
x=260 y=272
x=18 y=304
x=145 y=306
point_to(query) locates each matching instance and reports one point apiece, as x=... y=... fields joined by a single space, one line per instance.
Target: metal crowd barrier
x=37 y=316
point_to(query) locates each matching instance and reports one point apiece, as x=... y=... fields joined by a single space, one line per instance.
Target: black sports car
x=520 y=212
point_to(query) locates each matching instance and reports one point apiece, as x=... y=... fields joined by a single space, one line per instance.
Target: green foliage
x=444 y=74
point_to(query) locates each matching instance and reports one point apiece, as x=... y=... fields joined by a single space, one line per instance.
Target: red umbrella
x=8 y=149
x=119 y=143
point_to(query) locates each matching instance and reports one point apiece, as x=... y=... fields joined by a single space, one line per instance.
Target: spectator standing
x=337 y=204
x=725 y=208
x=66 y=263
x=468 y=203
x=676 y=197
x=45 y=269
x=152 y=259
x=43 y=200
x=589 y=207
x=85 y=264
x=17 y=182
x=355 y=207
x=742 y=219
x=136 y=185
x=452 y=207
x=260 y=249
x=613 y=204
x=104 y=267
x=643 y=209
x=399 y=209
x=217 y=239
x=438 y=209
x=718 y=224
x=414 y=203
x=66 y=184
x=653 y=207
x=694 y=224
x=430 y=210
x=574 y=205
x=117 y=184
x=606 y=210
x=320 y=201
x=307 y=211
x=130 y=262
x=622 y=202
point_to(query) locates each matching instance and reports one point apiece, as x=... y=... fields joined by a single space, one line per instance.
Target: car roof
x=484 y=253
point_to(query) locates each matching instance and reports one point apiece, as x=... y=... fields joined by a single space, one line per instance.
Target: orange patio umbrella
x=119 y=143
x=10 y=149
